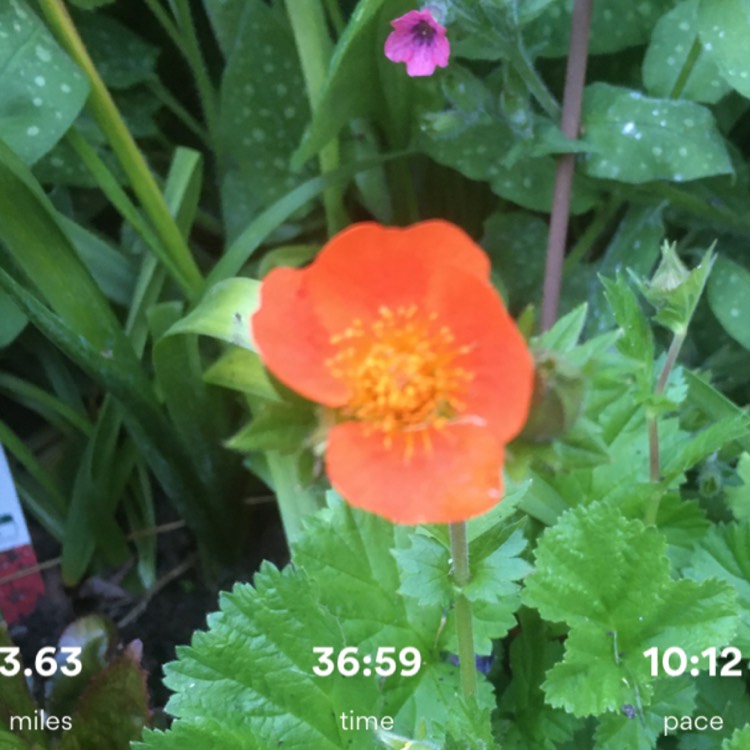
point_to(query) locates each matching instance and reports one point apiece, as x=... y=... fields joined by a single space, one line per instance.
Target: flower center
x=423 y=33
x=402 y=371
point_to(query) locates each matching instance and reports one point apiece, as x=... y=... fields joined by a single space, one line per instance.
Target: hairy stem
x=653 y=427
x=464 y=625
x=575 y=77
x=528 y=74
x=295 y=502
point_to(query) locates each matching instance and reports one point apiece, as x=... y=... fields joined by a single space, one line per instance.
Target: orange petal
x=459 y=477
x=499 y=360
x=291 y=340
x=368 y=266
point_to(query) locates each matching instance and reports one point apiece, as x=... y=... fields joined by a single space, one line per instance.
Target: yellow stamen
x=403 y=374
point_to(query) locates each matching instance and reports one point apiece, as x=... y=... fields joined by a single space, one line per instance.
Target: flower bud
x=674 y=290
x=671 y=273
x=557 y=400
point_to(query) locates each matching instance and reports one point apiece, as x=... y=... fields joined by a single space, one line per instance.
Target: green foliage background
x=133 y=235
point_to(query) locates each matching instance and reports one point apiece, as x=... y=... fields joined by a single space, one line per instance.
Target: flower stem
x=175 y=254
x=464 y=626
x=295 y=502
x=575 y=78
x=528 y=74
x=654 y=468
x=314 y=48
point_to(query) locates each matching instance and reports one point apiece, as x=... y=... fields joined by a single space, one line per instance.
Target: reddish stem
x=575 y=78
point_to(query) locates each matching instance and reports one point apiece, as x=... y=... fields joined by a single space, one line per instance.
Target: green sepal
x=225 y=313
x=673 y=290
x=277 y=426
x=557 y=399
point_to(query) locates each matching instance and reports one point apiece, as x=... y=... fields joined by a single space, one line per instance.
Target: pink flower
x=419 y=41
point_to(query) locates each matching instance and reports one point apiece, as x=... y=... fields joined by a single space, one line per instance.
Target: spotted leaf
x=671 y=43
x=41 y=90
x=264 y=111
x=723 y=30
x=615 y=25
x=635 y=138
x=729 y=297
x=482 y=150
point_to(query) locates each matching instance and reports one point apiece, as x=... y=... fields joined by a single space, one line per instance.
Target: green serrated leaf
x=726 y=698
x=526 y=721
x=468 y=727
x=495 y=575
x=722 y=27
x=641 y=729
x=41 y=90
x=724 y=554
x=684 y=524
x=637 y=340
x=738 y=498
x=564 y=334
x=712 y=438
x=396 y=742
x=250 y=676
x=582 y=446
x=494 y=591
x=224 y=313
x=609 y=579
x=670 y=47
x=635 y=245
x=738 y=741
x=635 y=138
x=425 y=571
x=711 y=403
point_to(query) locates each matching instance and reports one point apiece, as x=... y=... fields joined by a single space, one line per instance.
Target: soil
x=171 y=615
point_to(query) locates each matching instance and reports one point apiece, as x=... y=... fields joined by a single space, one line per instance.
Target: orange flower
x=400 y=333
